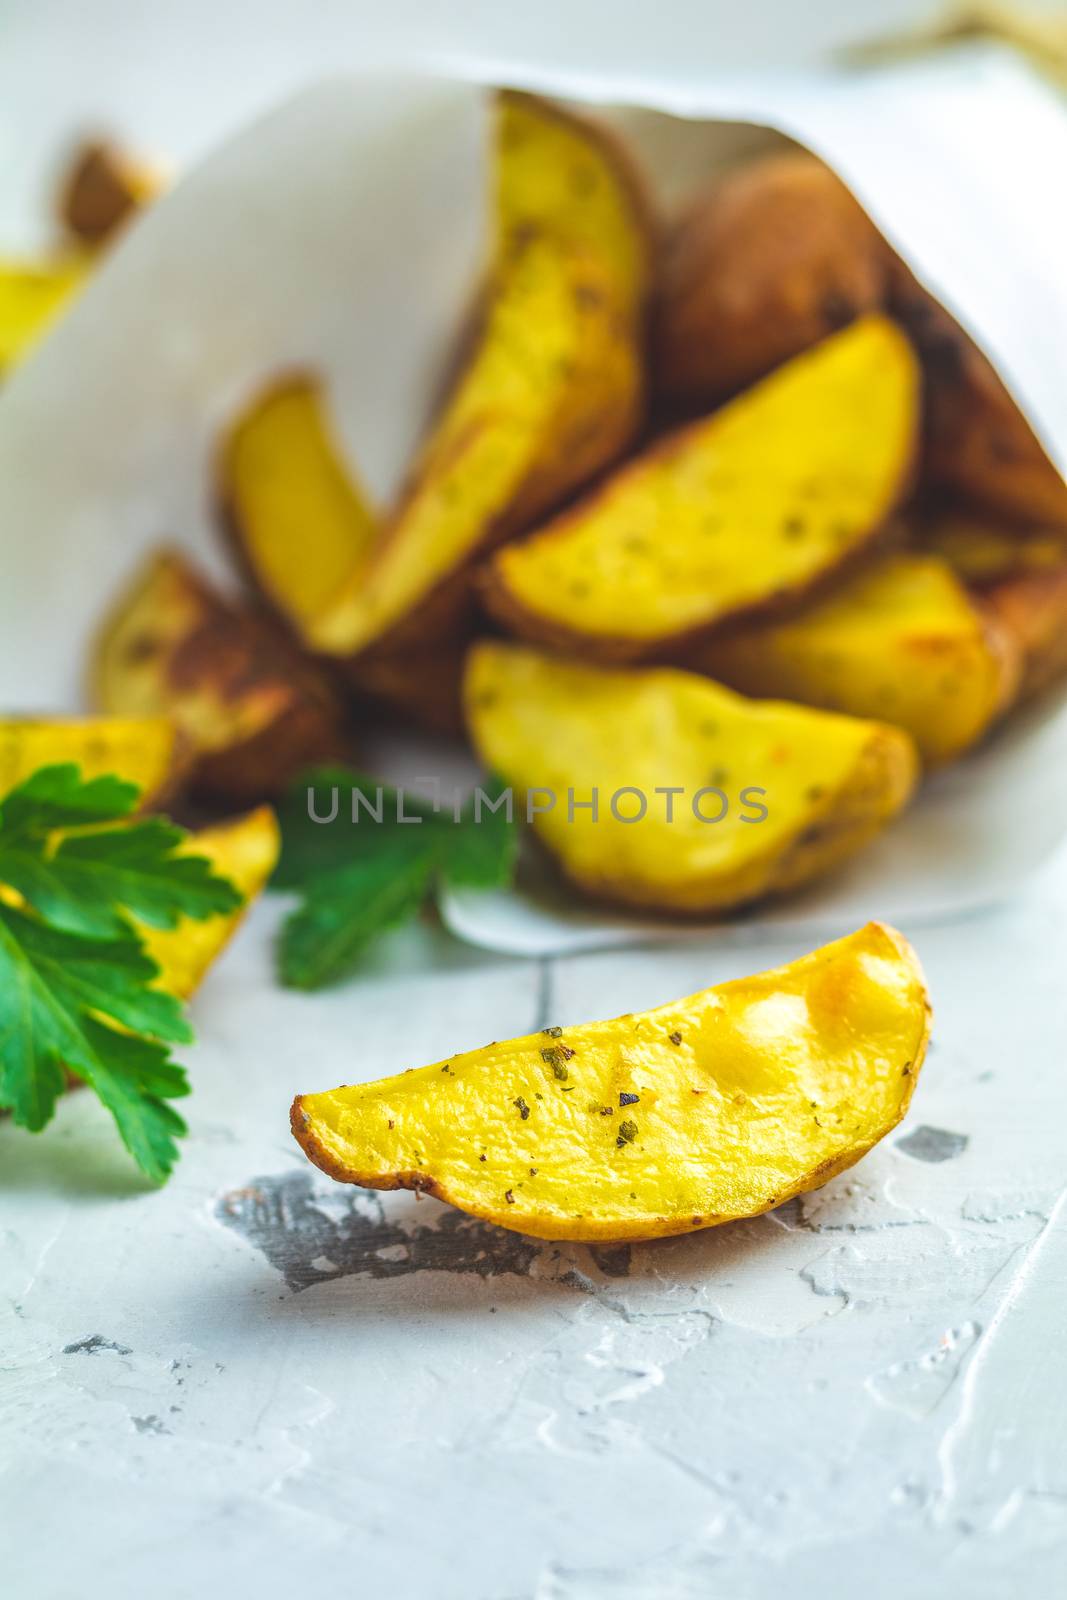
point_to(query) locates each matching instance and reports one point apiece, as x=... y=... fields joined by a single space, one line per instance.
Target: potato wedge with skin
x=32 y=296
x=981 y=551
x=299 y=521
x=250 y=710
x=978 y=443
x=739 y=514
x=245 y=850
x=102 y=189
x=142 y=750
x=719 y=1106
x=1031 y=609
x=827 y=783
x=552 y=392
x=765 y=264
x=902 y=641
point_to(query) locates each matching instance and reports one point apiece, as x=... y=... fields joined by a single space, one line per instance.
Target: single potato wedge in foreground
x=142 y=750
x=244 y=850
x=737 y=515
x=766 y=796
x=902 y=641
x=250 y=710
x=770 y=260
x=719 y=1106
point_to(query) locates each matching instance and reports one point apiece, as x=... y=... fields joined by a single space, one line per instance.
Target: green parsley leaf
x=77 y=990
x=360 y=878
x=91 y=882
x=63 y=1000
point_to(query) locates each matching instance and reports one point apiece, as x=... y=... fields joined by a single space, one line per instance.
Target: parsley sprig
x=358 y=880
x=77 y=987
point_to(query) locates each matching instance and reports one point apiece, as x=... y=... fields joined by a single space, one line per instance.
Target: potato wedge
x=102 y=189
x=551 y=393
x=718 y=1106
x=299 y=520
x=765 y=264
x=739 y=514
x=981 y=551
x=32 y=296
x=902 y=642
x=143 y=750
x=978 y=443
x=251 y=711
x=826 y=783
x=245 y=850
x=1031 y=609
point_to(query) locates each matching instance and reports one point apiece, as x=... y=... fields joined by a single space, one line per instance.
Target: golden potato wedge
x=978 y=443
x=718 y=1106
x=768 y=262
x=32 y=296
x=981 y=551
x=824 y=784
x=245 y=850
x=739 y=514
x=1031 y=609
x=144 y=750
x=551 y=393
x=299 y=521
x=102 y=189
x=250 y=710
x=903 y=641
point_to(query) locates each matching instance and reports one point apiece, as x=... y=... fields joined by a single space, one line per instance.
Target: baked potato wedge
x=902 y=641
x=249 y=709
x=32 y=296
x=144 y=750
x=978 y=443
x=242 y=849
x=1031 y=609
x=552 y=391
x=767 y=795
x=103 y=188
x=719 y=1106
x=766 y=263
x=299 y=521
x=981 y=551
x=741 y=513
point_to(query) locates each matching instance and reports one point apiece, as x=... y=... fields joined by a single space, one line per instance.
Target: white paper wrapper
x=345 y=231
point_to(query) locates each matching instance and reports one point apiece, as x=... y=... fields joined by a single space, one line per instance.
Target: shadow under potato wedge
x=144 y=750
x=902 y=641
x=719 y=1106
x=826 y=783
x=250 y=711
x=740 y=514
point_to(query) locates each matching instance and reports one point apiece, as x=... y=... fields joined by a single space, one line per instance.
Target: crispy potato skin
x=981 y=550
x=978 y=443
x=249 y=709
x=1031 y=609
x=243 y=849
x=695 y=535
x=103 y=188
x=828 y=782
x=145 y=750
x=776 y=257
x=719 y=1106
x=901 y=641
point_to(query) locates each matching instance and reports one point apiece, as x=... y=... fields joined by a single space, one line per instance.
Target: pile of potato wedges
x=716 y=502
